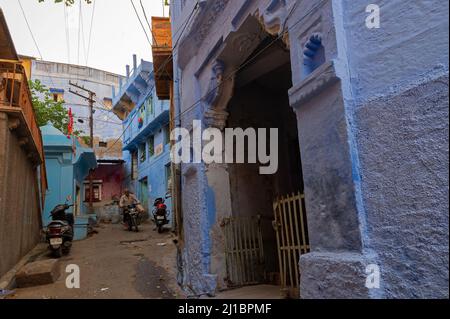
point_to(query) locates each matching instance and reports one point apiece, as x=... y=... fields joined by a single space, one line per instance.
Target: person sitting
x=128 y=199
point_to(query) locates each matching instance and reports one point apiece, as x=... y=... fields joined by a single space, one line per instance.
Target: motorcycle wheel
x=57 y=253
x=135 y=223
x=160 y=229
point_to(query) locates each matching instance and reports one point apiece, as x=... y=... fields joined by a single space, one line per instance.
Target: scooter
x=132 y=217
x=160 y=214
x=59 y=234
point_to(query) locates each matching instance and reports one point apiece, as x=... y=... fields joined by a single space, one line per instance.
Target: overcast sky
x=116 y=32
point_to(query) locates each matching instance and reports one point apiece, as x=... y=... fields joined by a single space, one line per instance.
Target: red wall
x=112 y=177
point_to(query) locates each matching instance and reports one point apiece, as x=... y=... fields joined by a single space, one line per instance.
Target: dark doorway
x=261 y=101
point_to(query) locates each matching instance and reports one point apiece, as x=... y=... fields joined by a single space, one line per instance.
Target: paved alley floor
x=116 y=264
x=251 y=292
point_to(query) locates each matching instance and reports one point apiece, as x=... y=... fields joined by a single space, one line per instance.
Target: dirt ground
x=116 y=264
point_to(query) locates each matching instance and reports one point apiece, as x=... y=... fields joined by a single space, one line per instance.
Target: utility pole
x=91 y=101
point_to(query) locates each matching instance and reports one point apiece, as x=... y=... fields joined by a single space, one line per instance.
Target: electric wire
x=257 y=54
x=90 y=32
x=29 y=29
x=168 y=60
x=148 y=22
x=140 y=21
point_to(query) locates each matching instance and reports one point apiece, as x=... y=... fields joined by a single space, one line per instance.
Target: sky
x=116 y=32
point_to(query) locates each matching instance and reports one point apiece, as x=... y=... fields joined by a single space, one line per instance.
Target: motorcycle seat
x=58 y=223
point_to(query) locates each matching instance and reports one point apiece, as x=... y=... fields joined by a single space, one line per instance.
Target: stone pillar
x=335 y=267
x=219 y=193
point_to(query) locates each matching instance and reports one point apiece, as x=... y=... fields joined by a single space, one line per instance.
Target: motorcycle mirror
x=69 y=198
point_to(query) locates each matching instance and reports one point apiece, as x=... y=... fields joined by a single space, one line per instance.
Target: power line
x=90 y=32
x=280 y=36
x=29 y=29
x=140 y=21
x=79 y=35
x=149 y=26
x=186 y=23
x=169 y=59
x=82 y=34
x=98 y=120
x=66 y=25
x=32 y=35
x=135 y=114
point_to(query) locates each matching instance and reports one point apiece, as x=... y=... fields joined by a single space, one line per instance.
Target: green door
x=143 y=194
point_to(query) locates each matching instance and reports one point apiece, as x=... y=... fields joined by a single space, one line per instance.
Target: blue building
x=362 y=158
x=146 y=140
x=68 y=164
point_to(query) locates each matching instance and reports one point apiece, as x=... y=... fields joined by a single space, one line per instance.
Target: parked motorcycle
x=160 y=214
x=59 y=234
x=132 y=217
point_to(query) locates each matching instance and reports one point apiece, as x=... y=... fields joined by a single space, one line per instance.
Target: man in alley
x=127 y=199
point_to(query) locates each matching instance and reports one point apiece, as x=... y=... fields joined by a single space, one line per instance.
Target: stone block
x=38 y=273
x=335 y=276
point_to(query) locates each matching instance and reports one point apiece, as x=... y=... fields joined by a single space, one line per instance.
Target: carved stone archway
x=234 y=51
x=237 y=48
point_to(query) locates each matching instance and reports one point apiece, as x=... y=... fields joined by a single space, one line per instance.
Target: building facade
x=56 y=77
x=23 y=176
x=107 y=128
x=68 y=164
x=362 y=116
x=146 y=140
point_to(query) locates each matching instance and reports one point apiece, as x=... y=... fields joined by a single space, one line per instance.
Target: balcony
x=162 y=56
x=15 y=100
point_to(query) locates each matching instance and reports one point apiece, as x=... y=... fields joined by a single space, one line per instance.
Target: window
x=149 y=104
x=151 y=146
x=134 y=166
x=96 y=194
x=107 y=102
x=167 y=134
x=168 y=177
x=102 y=144
x=142 y=153
x=57 y=95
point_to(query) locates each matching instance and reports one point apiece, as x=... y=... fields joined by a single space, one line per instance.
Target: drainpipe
x=177 y=123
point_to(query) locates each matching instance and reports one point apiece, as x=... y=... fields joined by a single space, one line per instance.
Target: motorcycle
x=59 y=233
x=132 y=217
x=160 y=214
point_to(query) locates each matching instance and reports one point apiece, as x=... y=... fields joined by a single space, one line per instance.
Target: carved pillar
x=335 y=267
x=220 y=91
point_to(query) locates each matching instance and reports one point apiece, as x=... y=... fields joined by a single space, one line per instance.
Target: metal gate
x=243 y=250
x=292 y=239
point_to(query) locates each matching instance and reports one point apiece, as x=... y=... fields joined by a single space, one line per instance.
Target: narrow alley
x=115 y=264
x=265 y=149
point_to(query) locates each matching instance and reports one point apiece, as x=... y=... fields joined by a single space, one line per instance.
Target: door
x=292 y=240
x=143 y=193
x=244 y=253
x=77 y=209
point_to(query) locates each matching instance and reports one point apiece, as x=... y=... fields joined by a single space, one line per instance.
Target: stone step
x=38 y=273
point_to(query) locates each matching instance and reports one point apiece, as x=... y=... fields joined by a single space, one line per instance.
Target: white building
x=57 y=76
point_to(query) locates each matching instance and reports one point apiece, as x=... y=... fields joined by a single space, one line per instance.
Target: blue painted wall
x=154 y=115
x=65 y=171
